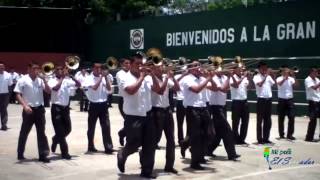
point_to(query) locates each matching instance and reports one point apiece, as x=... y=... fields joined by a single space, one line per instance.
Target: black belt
x=161 y=108
x=60 y=106
x=98 y=102
x=38 y=107
x=197 y=108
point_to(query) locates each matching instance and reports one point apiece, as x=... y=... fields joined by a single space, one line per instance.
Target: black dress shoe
x=44 y=159
x=148 y=176
x=244 y=143
x=66 y=156
x=109 y=151
x=171 y=170
x=310 y=140
x=291 y=138
x=260 y=142
x=196 y=167
x=203 y=161
x=268 y=142
x=4 y=128
x=183 y=150
x=92 y=149
x=234 y=158
x=211 y=155
x=21 y=157
x=121 y=162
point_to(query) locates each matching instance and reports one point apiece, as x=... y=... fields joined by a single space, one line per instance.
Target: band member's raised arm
x=133 y=88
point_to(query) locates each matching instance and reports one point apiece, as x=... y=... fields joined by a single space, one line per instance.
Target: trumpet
x=154 y=56
x=111 y=63
x=72 y=62
x=47 y=68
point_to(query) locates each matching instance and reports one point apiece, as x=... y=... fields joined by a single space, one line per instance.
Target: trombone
x=72 y=62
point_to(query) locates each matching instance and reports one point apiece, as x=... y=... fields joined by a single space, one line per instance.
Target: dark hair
x=32 y=63
x=135 y=56
x=260 y=64
x=312 y=68
x=284 y=66
x=97 y=65
x=122 y=60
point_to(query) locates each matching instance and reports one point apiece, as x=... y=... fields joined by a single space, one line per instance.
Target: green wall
x=297 y=22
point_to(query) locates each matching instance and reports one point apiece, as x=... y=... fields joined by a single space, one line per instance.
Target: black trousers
x=140 y=132
x=99 y=110
x=121 y=132
x=12 y=98
x=314 y=113
x=223 y=131
x=4 y=101
x=240 y=112
x=286 y=108
x=180 y=114
x=37 y=117
x=263 y=116
x=164 y=122
x=62 y=126
x=171 y=100
x=84 y=102
x=198 y=119
x=109 y=100
x=46 y=99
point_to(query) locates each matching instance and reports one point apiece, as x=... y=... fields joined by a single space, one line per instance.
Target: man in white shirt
x=180 y=109
x=162 y=114
x=219 y=87
x=312 y=85
x=286 y=107
x=60 y=111
x=5 y=84
x=29 y=91
x=15 y=77
x=81 y=76
x=120 y=77
x=111 y=79
x=239 y=107
x=139 y=126
x=197 y=114
x=263 y=83
x=98 y=86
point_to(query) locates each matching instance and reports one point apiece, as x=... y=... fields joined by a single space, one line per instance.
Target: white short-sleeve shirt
x=31 y=90
x=81 y=78
x=191 y=98
x=98 y=95
x=239 y=93
x=62 y=96
x=219 y=97
x=285 y=91
x=162 y=101
x=5 y=82
x=265 y=90
x=313 y=95
x=180 y=93
x=139 y=103
x=120 y=77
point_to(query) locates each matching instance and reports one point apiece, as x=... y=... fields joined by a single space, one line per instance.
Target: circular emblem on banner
x=136 y=39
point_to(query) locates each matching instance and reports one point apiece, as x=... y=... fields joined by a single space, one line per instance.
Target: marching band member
x=197 y=114
x=285 y=85
x=111 y=79
x=81 y=76
x=98 y=86
x=139 y=126
x=263 y=83
x=219 y=87
x=29 y=91
x=162 y=114
x=121 y=76
x=60 y=111
x=240 y=108
x=312 y=85
x=180 y=109
x=15 y=77
x=5 y=84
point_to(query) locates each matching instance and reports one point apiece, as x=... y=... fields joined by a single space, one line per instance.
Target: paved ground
x=252 y=164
